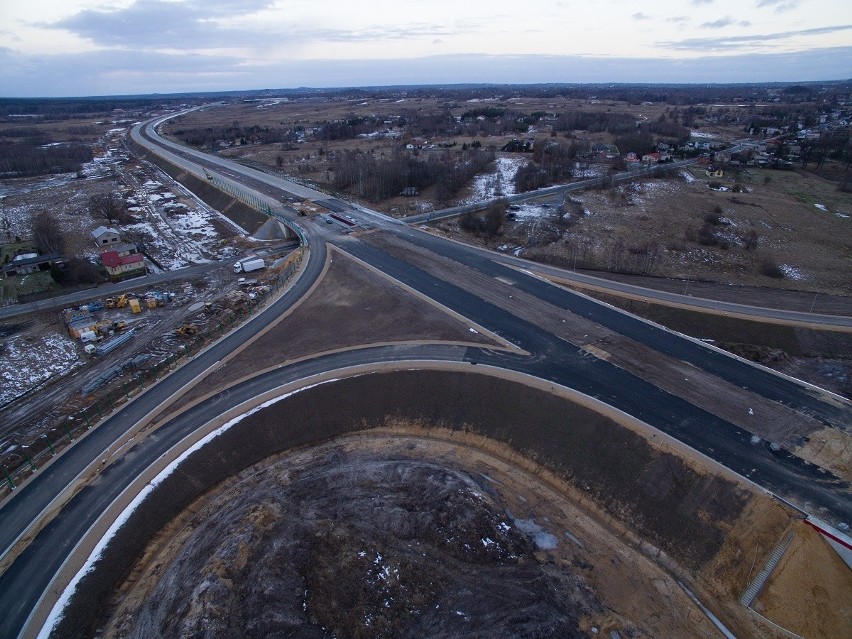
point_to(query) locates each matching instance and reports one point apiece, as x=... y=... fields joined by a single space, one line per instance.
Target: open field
x=654 y=227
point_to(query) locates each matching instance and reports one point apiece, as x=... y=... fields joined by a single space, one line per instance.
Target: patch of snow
x=792 y=272
x=542 y=539
x=26 y=364
x=821 y=207
x=501 y=182
x=532 y=211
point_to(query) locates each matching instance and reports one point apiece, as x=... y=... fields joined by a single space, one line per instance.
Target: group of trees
x=49 y=238
x=669 y=128
x=367 y=176
x=27 y=159
x=595 y=122
x=109 y=207
x=835 y=145
x=206 y=137
x=640 y=142
x=348 y=129
x=552 y=162
x=488 y=223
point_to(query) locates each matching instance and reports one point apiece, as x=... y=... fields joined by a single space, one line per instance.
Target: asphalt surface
x=22 y=585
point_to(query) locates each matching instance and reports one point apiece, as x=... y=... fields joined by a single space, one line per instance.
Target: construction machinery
x=187 y=330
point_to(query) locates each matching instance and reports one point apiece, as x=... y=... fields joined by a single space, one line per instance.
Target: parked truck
x=249 y=264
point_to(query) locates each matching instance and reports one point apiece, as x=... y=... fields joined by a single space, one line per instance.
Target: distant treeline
x=673 y=94
x=26 y=159
x=483 y=121
x=67 y=108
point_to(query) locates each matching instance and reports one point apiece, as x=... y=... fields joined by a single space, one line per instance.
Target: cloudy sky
x=109 y=47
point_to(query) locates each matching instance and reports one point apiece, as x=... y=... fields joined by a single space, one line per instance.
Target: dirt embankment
x=241 y=214
x=658 y=509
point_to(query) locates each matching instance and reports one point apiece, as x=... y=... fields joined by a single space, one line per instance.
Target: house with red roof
x=122 y=267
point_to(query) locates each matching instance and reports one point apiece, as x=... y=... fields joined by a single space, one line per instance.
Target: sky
x=51 y=48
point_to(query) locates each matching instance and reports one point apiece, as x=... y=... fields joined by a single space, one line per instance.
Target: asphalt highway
x=742 y=374
x=551 y=358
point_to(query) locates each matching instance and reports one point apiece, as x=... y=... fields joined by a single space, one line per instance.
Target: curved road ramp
x=444 y=504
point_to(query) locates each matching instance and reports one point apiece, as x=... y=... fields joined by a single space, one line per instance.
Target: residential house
x=416 y=143
x=124 y=249
x=104 y=236
x=120 y=267
x=27 y=263
x=713 y=171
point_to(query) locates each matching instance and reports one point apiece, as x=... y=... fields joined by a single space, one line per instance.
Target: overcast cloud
x=91 y=47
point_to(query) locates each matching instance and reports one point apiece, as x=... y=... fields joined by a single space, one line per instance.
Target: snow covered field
x=28 y=362
x=487 y=186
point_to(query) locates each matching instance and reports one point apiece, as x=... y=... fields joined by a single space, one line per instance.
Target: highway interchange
x=544 y=355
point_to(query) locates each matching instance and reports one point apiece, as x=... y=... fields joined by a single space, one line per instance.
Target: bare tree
x=107 y=206
x=47 y=234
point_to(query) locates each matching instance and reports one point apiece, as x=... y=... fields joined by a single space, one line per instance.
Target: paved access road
x=550 y=358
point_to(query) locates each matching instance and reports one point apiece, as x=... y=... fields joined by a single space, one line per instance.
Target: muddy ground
x=395 y=537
